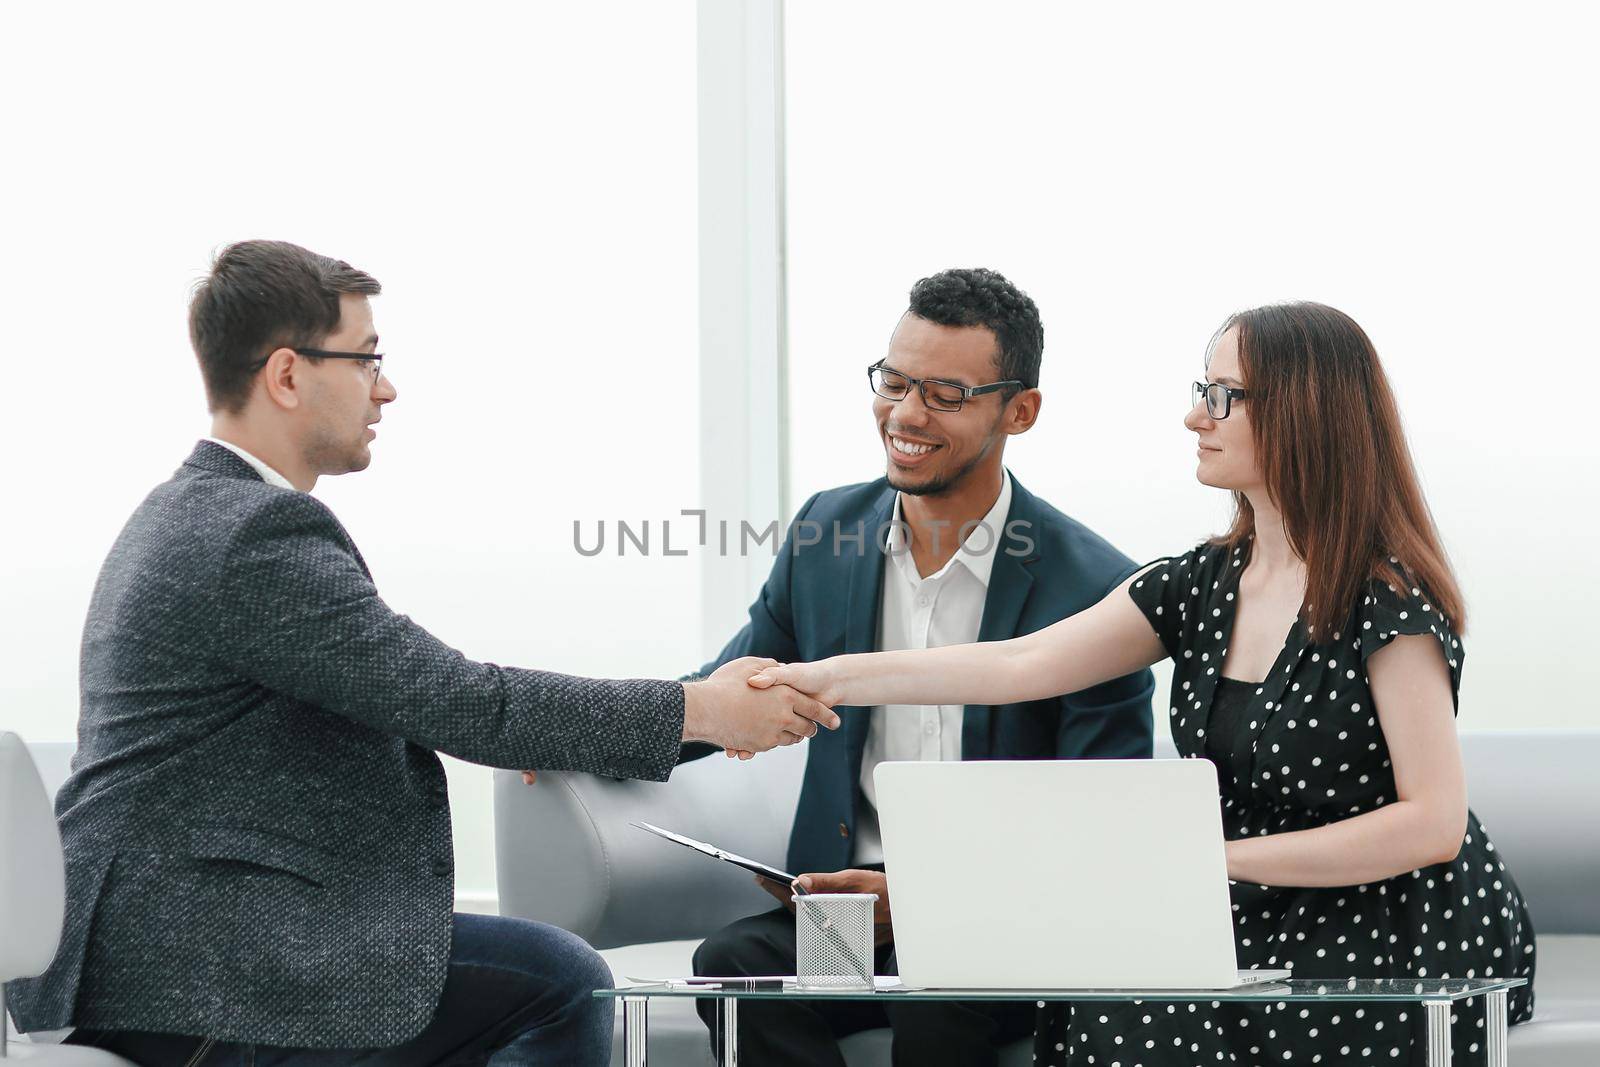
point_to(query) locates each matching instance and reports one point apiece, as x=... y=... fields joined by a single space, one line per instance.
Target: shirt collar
x=979 y=560
x=268 y=475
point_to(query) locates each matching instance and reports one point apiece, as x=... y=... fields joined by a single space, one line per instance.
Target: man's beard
x=326 y=454
x=941 y=483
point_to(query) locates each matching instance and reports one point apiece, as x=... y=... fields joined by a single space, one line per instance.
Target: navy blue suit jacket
x=820 y=602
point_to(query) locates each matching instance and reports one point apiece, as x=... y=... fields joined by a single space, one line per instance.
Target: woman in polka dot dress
x=1317 y=662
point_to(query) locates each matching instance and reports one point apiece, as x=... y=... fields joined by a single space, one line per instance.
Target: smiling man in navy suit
x=946 y=548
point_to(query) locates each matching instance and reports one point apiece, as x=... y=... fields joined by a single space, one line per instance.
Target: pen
x=825 y=925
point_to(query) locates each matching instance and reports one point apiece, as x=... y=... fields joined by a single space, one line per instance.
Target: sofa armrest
x=1537 y=795
x=565 y=854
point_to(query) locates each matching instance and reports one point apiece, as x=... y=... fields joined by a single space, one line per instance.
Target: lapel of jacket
x=1009 y=584
x=862 y=604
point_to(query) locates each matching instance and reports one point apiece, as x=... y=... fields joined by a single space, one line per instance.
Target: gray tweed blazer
x=257 y=830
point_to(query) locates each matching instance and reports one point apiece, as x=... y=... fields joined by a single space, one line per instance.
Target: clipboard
x=770 y=873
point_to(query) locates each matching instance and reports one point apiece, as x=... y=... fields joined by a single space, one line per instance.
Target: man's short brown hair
x=259 y=296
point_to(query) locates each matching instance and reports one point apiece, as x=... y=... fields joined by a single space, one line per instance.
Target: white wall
x=1143 y=170
x=521 y=179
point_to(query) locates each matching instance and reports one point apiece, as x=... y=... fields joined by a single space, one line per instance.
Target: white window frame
x=744 y=466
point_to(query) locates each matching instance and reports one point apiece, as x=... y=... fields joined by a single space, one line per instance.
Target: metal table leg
x=636 y=1030
x=1438 y=1033
x=728 y=1026
x=1494 y=1028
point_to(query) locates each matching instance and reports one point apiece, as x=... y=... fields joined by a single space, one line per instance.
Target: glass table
x=1435 y=995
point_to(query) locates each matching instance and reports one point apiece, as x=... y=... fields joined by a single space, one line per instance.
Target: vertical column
x=636 y=1031
x=728 y=1027
x=1494 y=1029
x=743 y=299
x=1438 y=1033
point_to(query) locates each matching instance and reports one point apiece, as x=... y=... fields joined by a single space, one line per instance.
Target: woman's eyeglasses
x=1219 y=398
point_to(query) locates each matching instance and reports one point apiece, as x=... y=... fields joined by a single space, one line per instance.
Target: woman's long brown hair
x=1334 y=457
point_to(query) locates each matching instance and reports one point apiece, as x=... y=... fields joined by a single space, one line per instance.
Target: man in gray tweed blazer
x=256 y=828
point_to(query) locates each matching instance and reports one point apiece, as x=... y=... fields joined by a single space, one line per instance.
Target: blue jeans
x=517 y=993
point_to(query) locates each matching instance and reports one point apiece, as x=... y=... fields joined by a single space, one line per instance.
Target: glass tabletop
x=1407 y=990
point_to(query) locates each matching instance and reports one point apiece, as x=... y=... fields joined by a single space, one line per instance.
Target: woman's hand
x=818 y=680
x=795 y=675
x=760 y=664
x=1102 y=642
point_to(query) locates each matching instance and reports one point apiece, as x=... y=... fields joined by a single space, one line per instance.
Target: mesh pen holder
x=833 y=940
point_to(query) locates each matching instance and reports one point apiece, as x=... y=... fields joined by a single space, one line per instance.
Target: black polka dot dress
x=1302 y=748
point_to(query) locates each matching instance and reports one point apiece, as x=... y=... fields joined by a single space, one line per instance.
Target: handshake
x=746 y=707
x=754 y=704
x=751 y=705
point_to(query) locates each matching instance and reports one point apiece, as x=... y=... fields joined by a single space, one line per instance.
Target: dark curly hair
x=982 y=297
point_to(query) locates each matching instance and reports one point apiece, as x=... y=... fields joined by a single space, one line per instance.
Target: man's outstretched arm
x=295 y=611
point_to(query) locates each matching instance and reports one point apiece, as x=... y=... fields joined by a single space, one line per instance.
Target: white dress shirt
x=945 y=608
x=268 y=475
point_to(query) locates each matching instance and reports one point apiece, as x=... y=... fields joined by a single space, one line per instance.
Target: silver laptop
x=1059 y=874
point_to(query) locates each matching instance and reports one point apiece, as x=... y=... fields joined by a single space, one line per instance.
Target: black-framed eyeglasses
x=1219 y=398
x=938 y=395
x=374 y=358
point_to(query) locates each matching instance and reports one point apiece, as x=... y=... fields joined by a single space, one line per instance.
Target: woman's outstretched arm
x=1106 y=641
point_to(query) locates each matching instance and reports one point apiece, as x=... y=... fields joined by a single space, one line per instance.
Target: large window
x=522 y=180
x=1143 y=170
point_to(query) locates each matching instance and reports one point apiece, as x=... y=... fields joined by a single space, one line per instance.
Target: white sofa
x=566 y=855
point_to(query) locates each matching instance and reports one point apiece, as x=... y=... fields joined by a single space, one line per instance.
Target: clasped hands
x=808 y=680
x=745 y=709
x=747 y=706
